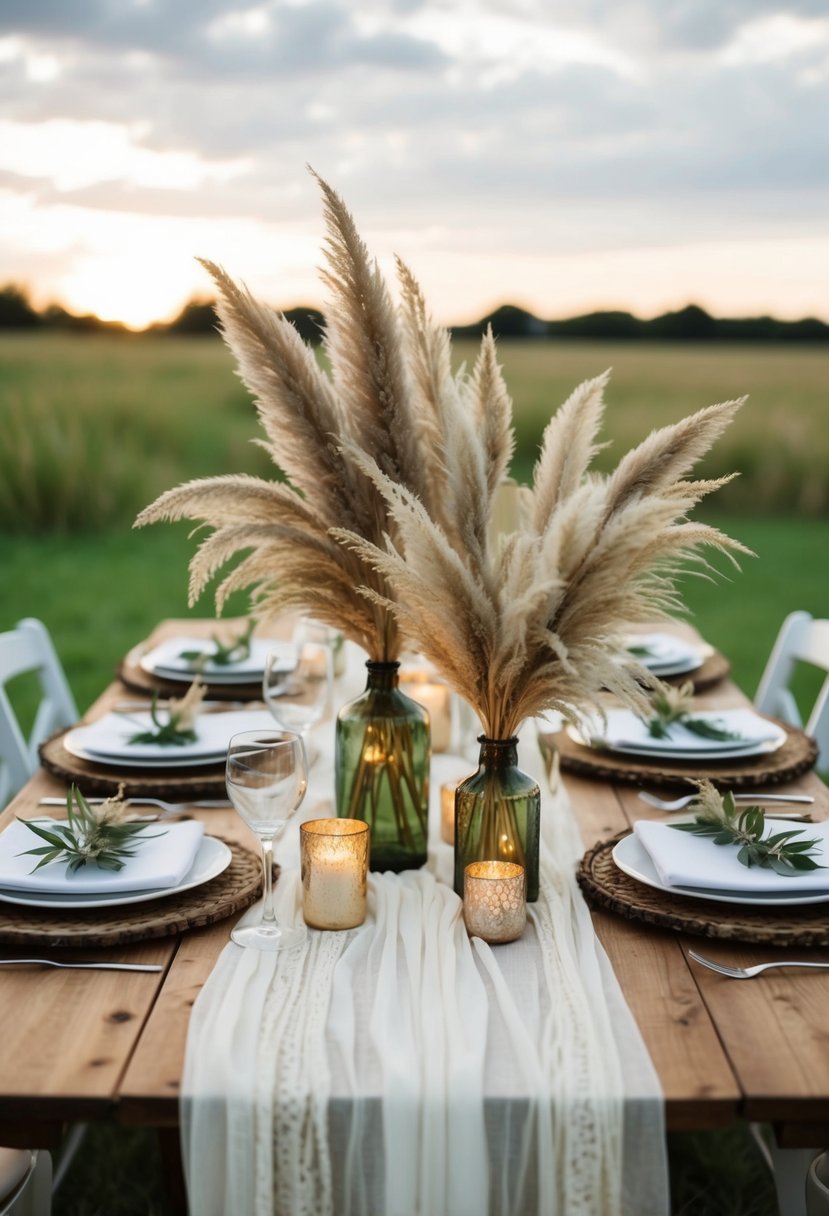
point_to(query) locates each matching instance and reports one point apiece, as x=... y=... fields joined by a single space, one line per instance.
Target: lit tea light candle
x=447 y=810
x=334 y=860
x=494 y=903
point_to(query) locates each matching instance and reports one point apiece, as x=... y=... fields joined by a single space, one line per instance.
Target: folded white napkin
x=625 y=731
x=109 y=736
x=683 y=860
x=161 y=862
x=166 y=657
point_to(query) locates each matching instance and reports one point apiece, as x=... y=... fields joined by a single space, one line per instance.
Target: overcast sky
x=561 y=154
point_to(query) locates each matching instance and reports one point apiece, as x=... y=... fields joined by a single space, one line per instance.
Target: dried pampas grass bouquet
x=383 y=527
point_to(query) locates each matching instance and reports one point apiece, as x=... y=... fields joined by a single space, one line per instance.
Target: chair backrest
x=817 y=1186
x=801 y=639
x=28 y=648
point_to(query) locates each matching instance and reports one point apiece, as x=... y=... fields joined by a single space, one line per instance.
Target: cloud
x=475 y=124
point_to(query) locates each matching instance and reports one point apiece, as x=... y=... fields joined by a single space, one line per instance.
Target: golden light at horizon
x=152 y=281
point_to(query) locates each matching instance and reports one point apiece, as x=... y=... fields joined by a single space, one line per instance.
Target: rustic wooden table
x=91 y=1045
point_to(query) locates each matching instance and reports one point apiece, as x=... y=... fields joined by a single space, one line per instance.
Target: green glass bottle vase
x=382 y=757
x=498 y=814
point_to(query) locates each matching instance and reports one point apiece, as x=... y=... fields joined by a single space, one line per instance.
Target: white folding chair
x=817 y=1186
x=25 y=1182
x=28 y=648
x=801 y=639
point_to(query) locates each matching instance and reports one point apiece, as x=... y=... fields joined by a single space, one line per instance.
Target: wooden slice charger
x=715 y=667
x=185 y=784
x=797 y=756
x=136 y=679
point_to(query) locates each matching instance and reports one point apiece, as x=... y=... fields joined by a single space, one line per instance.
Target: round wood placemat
x=183 y=784
x=797 y=756
x=230 y=892
x=715 y=667
x=138 y=680
x=606 y=886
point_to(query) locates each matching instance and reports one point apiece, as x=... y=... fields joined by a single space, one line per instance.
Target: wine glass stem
x=268 y=915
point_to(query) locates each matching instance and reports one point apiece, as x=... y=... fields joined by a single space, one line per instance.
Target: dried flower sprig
x=532 y=622
x=787 y=853
x=672 y=705
x=179 y=726
x=390 y=392
x=102 y=835
x=384 y=527
x=223 y=653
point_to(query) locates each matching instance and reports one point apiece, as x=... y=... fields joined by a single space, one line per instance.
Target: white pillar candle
x=334 y=860
x=494 y=900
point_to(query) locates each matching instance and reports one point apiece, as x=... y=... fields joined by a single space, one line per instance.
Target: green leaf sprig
x=640 y=651
x=91 y=835
x=179 y=726
x=787 y=852
x=234 y=651
x=672 y=705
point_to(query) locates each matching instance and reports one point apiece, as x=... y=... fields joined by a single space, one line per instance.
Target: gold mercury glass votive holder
x=494 y=900
x=334 y=867
x=447 y=810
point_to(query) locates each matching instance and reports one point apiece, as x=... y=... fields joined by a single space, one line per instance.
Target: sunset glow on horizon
x=509 y=152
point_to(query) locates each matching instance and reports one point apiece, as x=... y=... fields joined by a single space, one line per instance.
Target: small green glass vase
x=498 y=814
x=382 y=758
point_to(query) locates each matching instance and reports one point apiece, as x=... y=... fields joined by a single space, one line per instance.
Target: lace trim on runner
x=292 y=1163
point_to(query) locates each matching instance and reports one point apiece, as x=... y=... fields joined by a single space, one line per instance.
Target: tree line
x=689 y=324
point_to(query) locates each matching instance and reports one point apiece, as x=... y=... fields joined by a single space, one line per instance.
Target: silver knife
x=50 y=962
x=206 y=804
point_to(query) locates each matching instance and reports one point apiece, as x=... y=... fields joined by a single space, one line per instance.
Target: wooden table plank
x=699 y=1085
x=149 y=1091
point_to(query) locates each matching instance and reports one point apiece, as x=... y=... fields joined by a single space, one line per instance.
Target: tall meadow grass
x=94 y=427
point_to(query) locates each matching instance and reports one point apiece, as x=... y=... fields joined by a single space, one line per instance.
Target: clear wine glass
x=297 y=688
x=266 y=777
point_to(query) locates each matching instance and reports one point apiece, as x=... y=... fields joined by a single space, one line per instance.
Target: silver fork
x=677 y=804
x=50 y=962
x=747 y=973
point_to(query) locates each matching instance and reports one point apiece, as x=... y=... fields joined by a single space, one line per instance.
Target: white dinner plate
x=212 y=858
x=670 y=656
x=105 y=741
x=680 y=667
x=632 y=858
x=711 y=757
x=164 y=660
x=131 y=762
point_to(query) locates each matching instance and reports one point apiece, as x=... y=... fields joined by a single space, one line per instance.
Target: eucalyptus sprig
x=234 y=651
x=786 y=853
x=101 y=835
x=179 y=726
x=672 y=705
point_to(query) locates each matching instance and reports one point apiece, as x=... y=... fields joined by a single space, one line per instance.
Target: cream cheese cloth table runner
x=402 y=1069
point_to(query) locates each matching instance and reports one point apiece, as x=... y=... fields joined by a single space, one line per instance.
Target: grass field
x=93 y=428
